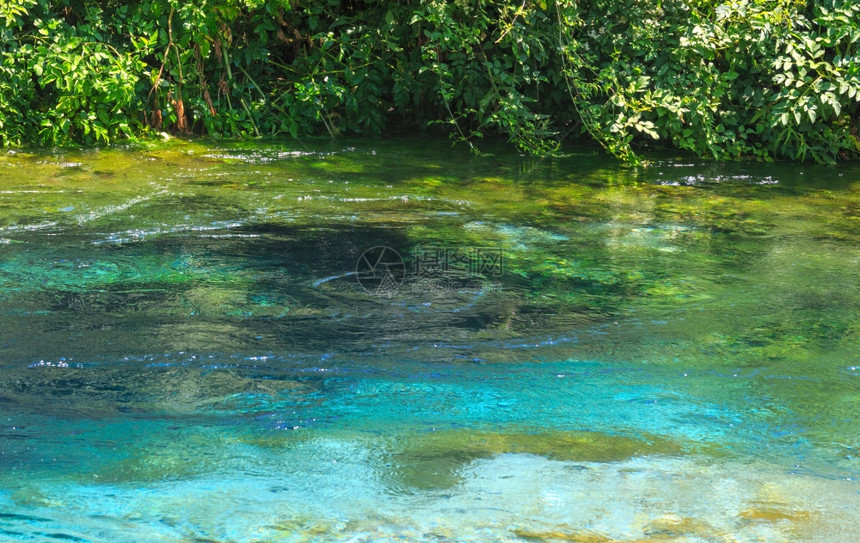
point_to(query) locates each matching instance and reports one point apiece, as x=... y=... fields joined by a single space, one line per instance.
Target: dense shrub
x=749 y=78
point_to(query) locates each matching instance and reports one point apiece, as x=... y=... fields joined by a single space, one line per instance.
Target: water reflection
x=183 y=332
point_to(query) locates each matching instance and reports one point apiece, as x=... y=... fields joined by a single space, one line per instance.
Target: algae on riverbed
x=185 y=312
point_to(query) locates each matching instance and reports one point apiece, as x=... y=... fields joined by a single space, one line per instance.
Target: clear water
x=189 y=352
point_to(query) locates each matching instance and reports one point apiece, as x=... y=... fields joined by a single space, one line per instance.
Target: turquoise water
x=193 y=349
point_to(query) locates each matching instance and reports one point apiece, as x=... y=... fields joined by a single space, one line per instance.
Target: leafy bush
x=733 y=79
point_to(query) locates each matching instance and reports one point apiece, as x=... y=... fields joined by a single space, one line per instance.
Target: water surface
x=193 y=349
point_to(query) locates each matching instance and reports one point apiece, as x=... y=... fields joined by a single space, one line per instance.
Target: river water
x=396 y=340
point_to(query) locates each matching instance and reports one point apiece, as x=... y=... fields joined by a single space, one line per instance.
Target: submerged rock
x=432 y=460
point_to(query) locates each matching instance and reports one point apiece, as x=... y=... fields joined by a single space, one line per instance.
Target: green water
x=193 y=349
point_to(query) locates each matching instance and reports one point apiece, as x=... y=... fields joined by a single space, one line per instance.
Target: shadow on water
x=193 y=320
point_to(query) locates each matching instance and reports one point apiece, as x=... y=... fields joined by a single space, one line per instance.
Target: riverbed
x=398 y=340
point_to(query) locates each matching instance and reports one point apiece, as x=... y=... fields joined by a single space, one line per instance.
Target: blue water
x=188 y=351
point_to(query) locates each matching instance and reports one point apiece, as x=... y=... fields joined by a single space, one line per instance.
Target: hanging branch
x=181 y=123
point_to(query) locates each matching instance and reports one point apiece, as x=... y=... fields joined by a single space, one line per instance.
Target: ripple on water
x=187 y=356
x=327 y=490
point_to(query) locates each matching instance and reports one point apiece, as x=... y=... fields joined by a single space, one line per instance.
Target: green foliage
x=741 y=78
x=736 y=79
